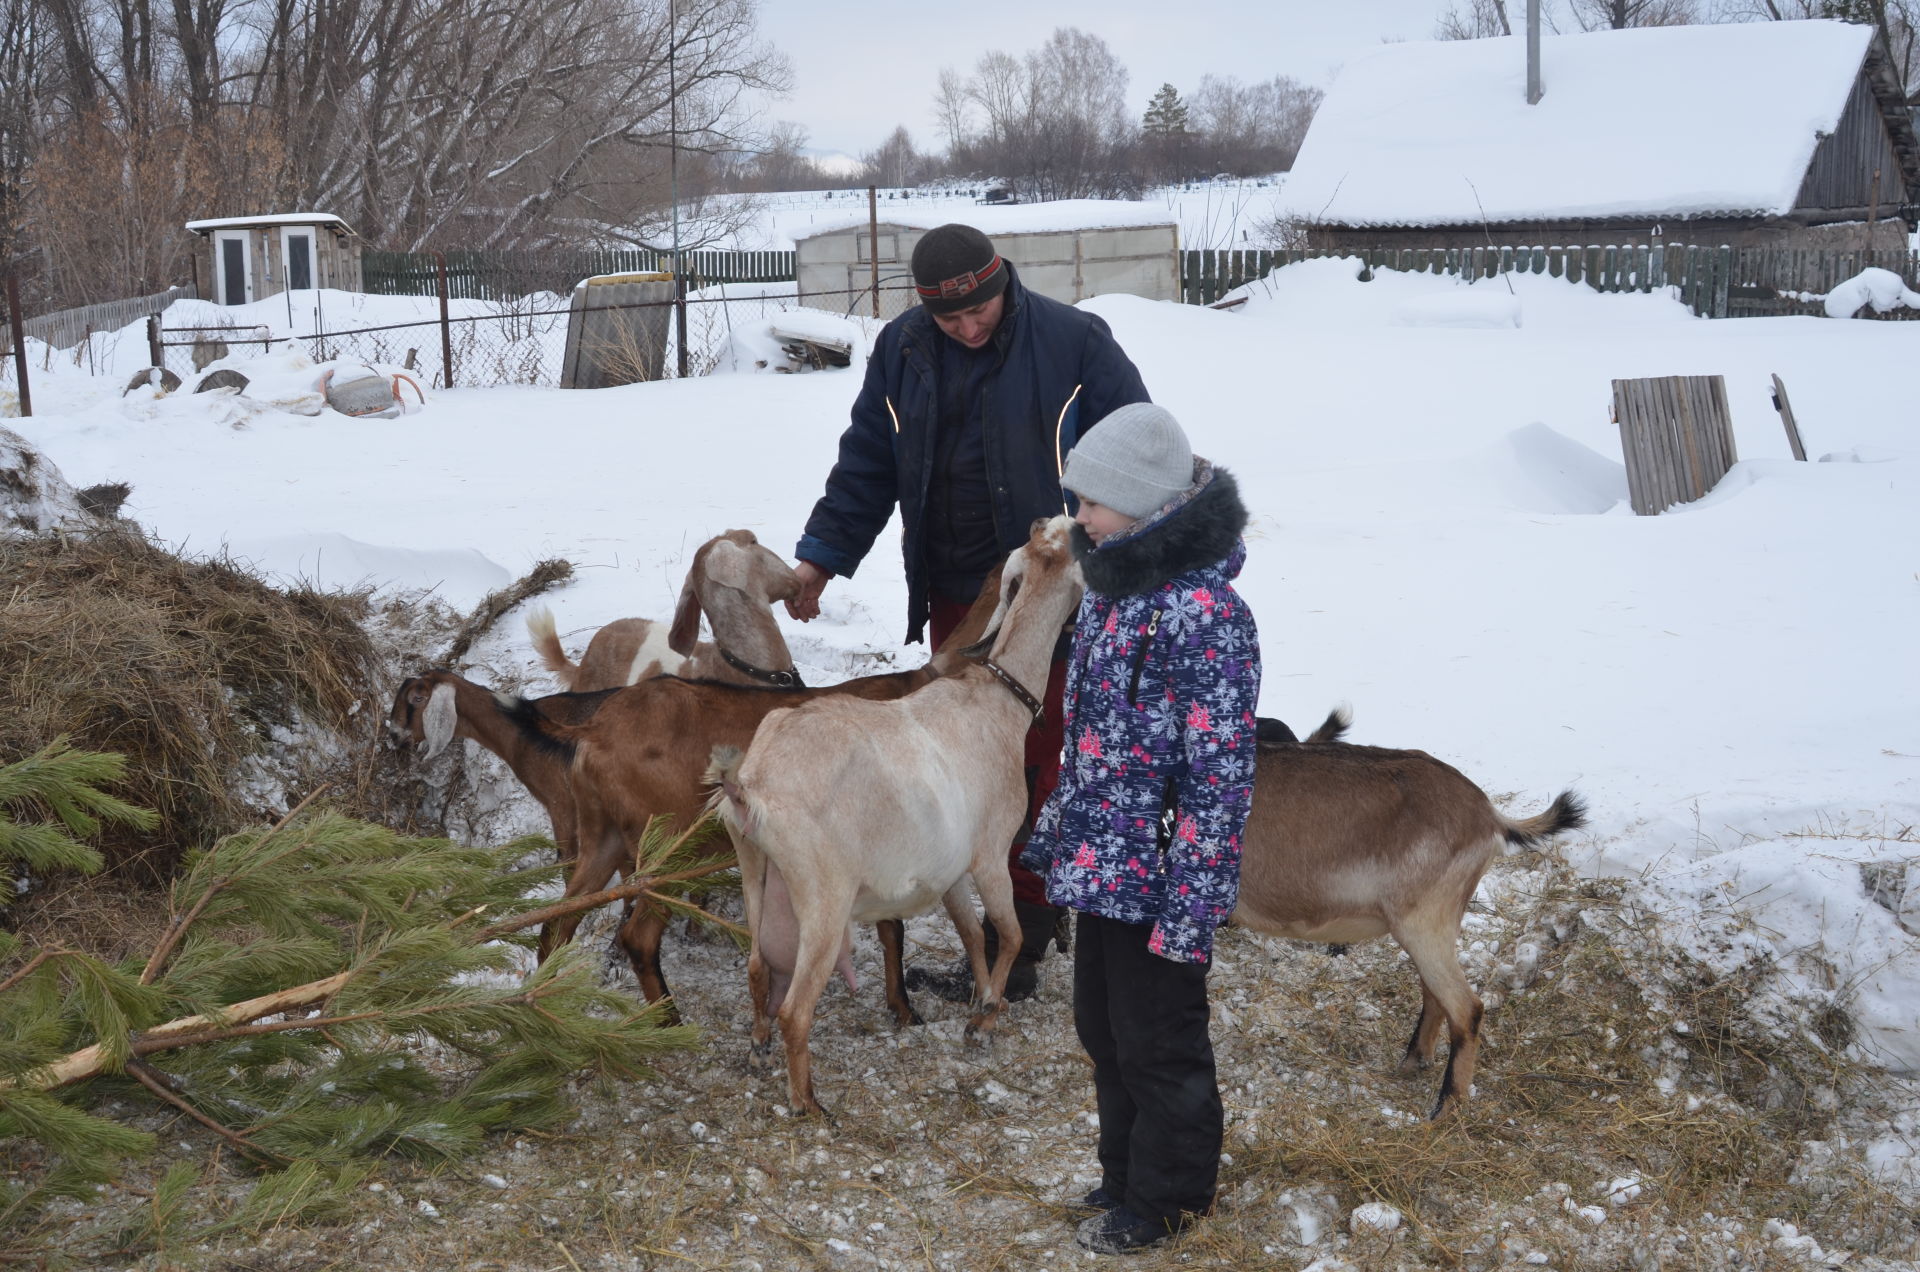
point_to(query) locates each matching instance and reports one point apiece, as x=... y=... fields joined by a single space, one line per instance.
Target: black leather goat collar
x=1015 y=688
x=788 y=679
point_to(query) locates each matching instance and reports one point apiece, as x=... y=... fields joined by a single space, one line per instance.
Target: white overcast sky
x=861 y=67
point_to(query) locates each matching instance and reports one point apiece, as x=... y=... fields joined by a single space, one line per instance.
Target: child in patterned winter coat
x=1142 y=835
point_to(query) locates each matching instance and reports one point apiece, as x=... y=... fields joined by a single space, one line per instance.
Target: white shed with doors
x=254 y=257
x=1068 y=250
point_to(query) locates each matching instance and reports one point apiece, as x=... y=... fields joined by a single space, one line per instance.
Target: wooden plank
x=1723 y=422
x=1665 y=410
x=1623 y=418
x=1786 y=417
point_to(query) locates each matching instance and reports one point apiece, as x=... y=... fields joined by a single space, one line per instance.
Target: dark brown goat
x=1345 y=843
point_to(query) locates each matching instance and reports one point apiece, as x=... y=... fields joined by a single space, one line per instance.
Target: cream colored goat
x=735 y=580
x=869 y=811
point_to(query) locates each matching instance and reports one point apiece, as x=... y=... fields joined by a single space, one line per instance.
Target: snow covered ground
x=1441 y=538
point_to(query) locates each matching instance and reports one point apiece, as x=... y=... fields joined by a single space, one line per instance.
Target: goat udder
x=779 y=938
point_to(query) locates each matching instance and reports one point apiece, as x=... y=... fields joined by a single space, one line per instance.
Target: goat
x=645 y=754
x=864 y=811
x=735 y=580
x=1346 y=843
x=432 y=709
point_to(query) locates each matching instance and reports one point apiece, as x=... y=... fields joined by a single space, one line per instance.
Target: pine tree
x=1166 y=114
x=377 y=952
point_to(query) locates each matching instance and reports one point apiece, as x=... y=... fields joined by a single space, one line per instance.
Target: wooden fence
x=509 y=275
x=1676 y=432
x=66 y=328
x=1715 y=282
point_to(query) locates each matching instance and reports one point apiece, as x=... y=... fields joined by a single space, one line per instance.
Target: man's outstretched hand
x=805 y=604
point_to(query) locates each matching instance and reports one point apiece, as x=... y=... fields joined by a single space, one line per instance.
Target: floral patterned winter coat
x=1157 y=775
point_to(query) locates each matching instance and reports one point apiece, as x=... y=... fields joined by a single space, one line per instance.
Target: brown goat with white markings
x=1345 y=843
x=735 y=581
x=432 y=709
x=645 y=754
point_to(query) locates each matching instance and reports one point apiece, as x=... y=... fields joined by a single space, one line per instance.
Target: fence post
x=154 y=351
x=873 y=242
x=19 y=345
x=446 y=327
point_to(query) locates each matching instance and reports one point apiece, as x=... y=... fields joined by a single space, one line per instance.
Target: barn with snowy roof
x=1782 y=134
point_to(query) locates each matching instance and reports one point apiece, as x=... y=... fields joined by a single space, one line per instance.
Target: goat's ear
x=1009 y=588
x=439 y=720
x=730 y=565
x=685 y=632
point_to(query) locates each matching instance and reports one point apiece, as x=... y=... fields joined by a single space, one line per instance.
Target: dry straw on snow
x=185 y=667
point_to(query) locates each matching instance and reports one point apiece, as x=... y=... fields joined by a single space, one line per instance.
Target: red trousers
x=1043 y=748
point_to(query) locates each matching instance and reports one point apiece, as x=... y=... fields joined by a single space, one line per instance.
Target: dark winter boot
x=1037 y=924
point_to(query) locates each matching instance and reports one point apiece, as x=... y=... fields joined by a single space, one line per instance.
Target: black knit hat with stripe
x=955 y=268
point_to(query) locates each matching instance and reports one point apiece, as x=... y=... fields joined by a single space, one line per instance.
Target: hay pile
x=191 y=669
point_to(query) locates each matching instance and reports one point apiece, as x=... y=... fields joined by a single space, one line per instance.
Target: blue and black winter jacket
x=1060 y=371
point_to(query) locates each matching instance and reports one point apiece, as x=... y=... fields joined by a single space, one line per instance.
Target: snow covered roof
x=327 y=219
x=992 y=219
x=1663 y=121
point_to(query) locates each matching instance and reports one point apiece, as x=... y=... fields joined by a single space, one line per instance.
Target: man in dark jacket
x=971 y=403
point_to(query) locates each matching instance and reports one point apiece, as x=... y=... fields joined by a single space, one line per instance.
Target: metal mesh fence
x=515 y=342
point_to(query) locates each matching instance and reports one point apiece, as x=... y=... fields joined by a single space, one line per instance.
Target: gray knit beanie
x=1133 y=461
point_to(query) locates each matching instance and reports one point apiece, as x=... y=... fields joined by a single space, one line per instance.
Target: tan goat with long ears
x=868 y=811
x=1346 y=843
x=735 y=581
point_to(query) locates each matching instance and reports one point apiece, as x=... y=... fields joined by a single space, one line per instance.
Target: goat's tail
x=535 y=727
x=546 y=643
x=729 y=799
x=1567 y=812
x=1335 y=726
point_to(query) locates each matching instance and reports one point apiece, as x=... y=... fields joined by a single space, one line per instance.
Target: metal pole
x=19 y=345
x=1533 y=52
x=873 y=242
x=673 y=183
x=446 y=327
x=154 y=351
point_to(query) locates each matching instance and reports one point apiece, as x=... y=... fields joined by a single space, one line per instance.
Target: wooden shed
x=253 y=257
x=1068 y=250
x=1755 y=134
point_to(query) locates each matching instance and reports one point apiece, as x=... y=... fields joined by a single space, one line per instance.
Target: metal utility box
x=617 y=330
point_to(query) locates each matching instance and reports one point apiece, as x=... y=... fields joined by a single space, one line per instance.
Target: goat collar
x=788 y=679
x=1017 y=689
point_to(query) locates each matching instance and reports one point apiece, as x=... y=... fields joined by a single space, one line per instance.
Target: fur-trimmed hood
x=1199 y=529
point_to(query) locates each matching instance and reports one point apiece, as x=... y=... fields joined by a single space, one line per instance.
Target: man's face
x=974 y=326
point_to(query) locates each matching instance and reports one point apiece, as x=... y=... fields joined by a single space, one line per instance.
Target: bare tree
x=1473 y=20
x=894 y=163
x=1054 y=122
x=1617 y=15
x=1251 y=128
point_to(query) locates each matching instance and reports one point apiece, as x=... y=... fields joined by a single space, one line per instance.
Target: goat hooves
x=760 y=1055
x=1411 y=1063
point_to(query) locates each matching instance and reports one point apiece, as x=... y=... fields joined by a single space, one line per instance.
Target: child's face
x=1100 y=520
